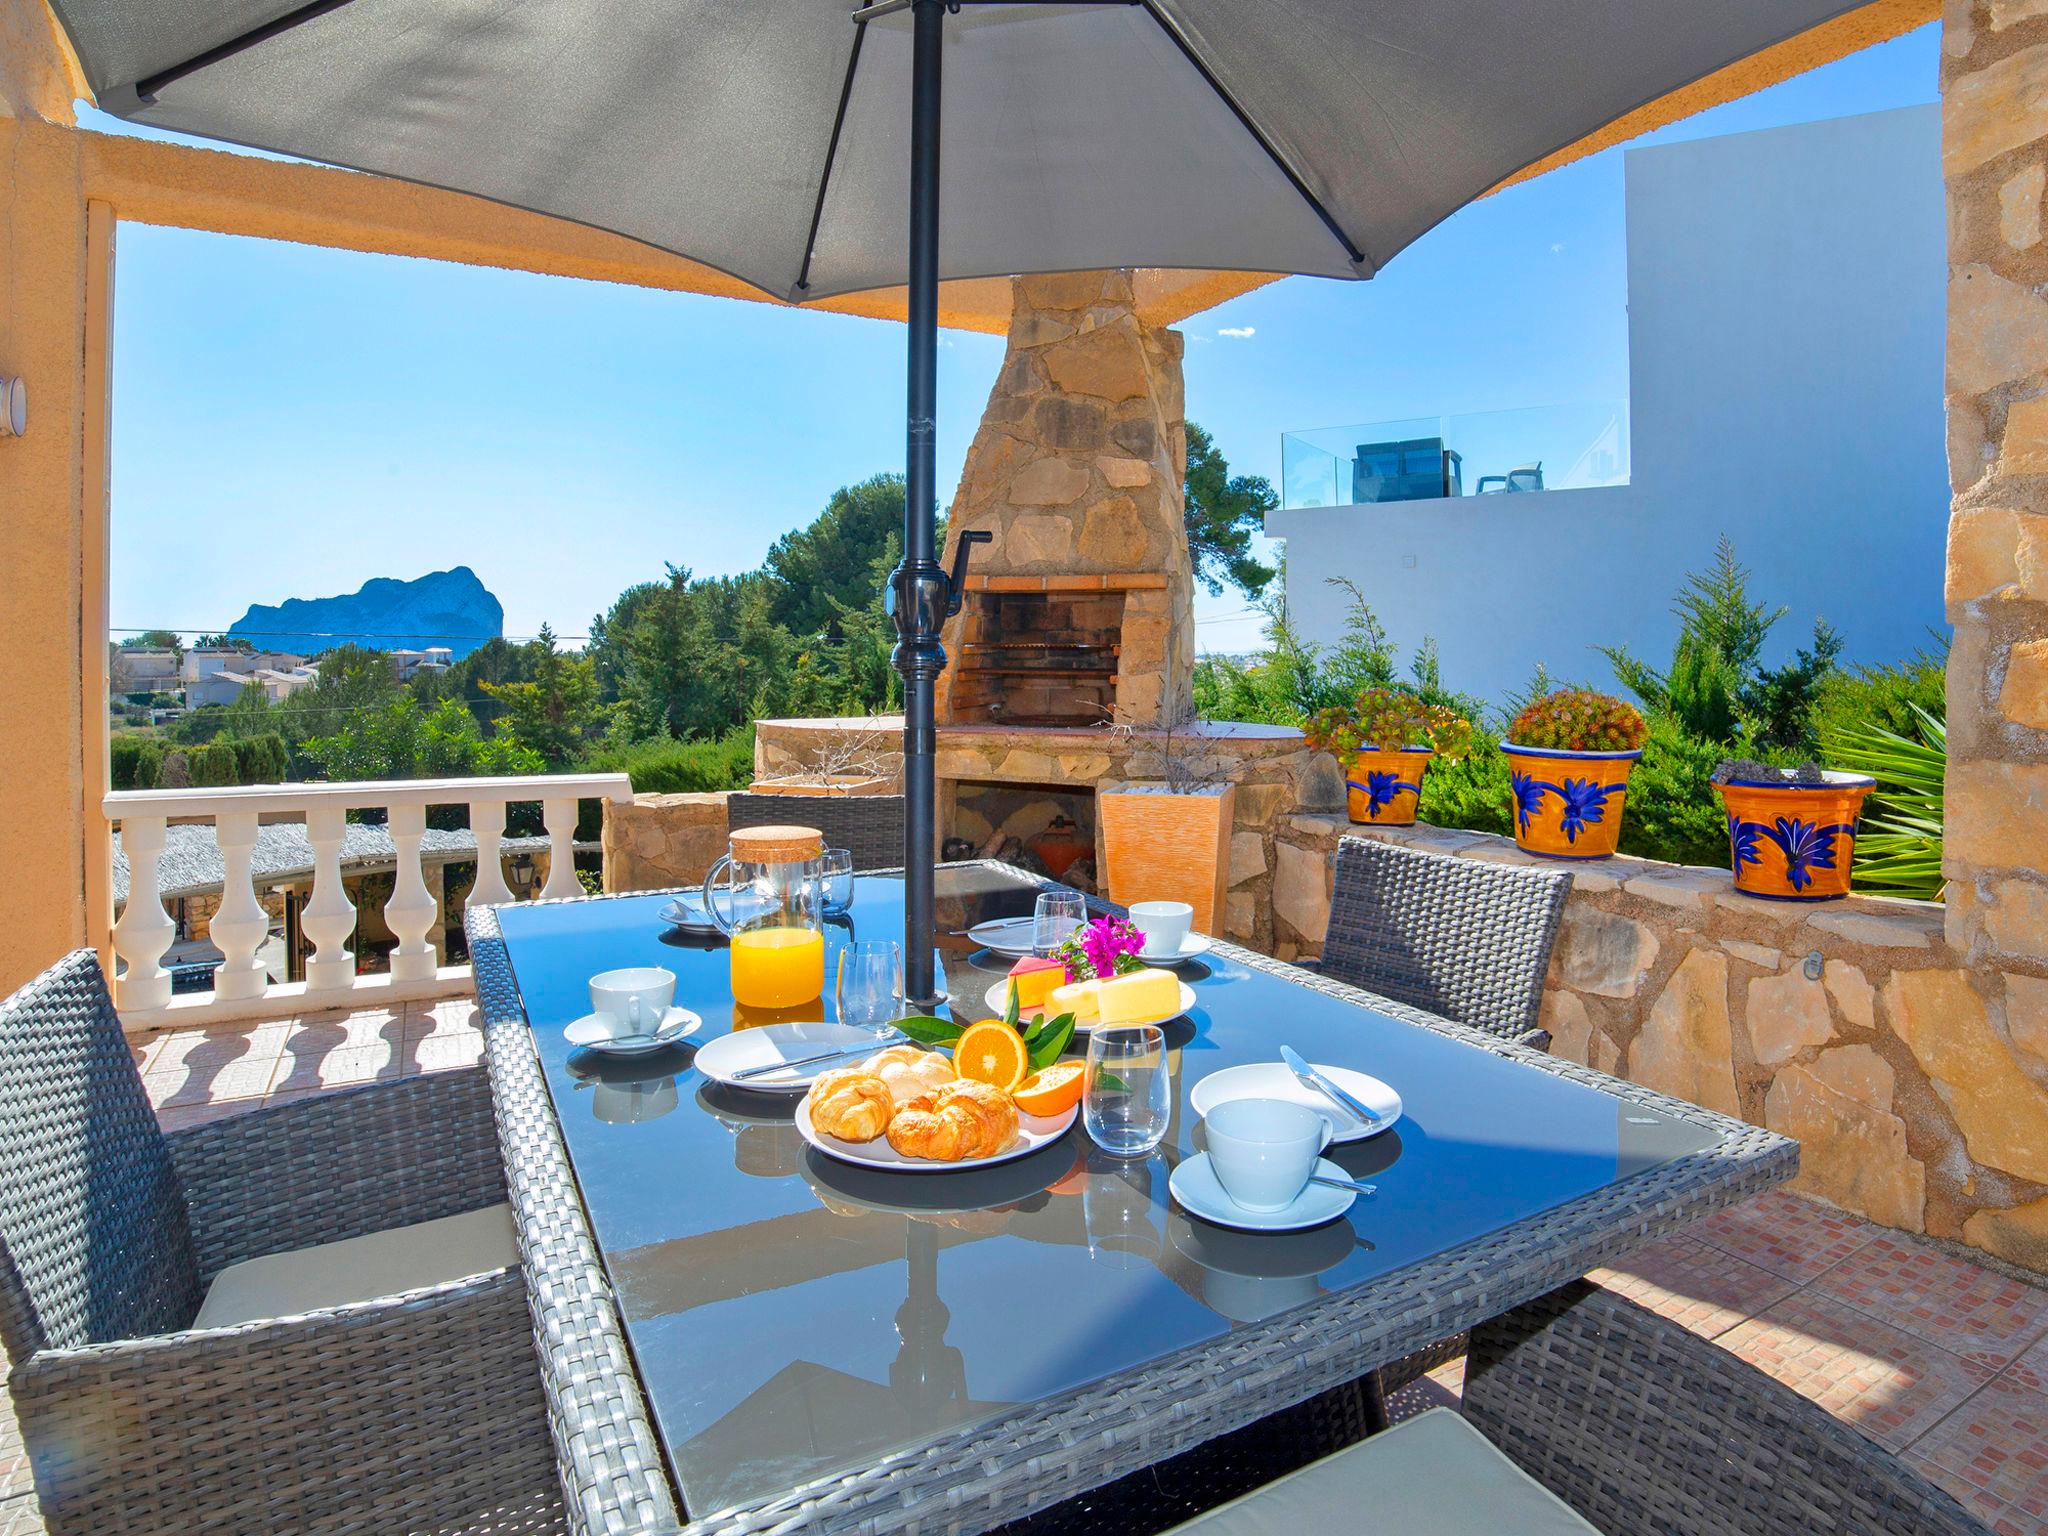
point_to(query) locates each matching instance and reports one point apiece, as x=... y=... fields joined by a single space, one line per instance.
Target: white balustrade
x=328 y=919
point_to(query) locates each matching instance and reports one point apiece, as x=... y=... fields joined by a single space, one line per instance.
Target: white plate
x=593 y=1032
x=719 y=1059
x=1006 y=935
x=1195 y=1186
x=1272 y=1080
x=1193 y=947
x=688 y=912
x=1033 y=1132
x=998 y=999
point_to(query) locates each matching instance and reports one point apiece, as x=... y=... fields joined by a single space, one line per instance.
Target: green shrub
x=212 y=766
x=1899 y=847
x=260 y=759
x=1470 y=792
x=662 y=765
x=1672 y=812
x=1578 y=720
x=134 y=762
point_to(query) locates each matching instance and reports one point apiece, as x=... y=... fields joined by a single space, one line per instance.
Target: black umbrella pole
x=921 y=587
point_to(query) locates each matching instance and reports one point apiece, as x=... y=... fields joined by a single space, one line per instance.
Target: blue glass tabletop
x=793 y=1317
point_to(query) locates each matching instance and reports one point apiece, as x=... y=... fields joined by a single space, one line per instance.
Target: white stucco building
x=1786 y=325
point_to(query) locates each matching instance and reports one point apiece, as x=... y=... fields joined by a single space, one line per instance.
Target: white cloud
x=1239 y=331
x=1557 y=249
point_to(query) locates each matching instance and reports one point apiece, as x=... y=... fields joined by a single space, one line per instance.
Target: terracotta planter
x=828 y=784
x=1794 y=842
x=1162 y=845
x=1567 y=805
x=1383 y=785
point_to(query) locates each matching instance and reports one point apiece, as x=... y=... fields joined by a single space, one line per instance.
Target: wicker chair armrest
x=417 y=1412
x=1640 y=1425
x=338 y=1166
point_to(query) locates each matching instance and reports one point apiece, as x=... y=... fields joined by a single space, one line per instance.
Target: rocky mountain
x=451 y=608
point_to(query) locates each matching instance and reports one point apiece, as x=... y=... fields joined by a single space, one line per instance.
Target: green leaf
x=1052 y=1040
x=928 y=1031
x=1010 y=1008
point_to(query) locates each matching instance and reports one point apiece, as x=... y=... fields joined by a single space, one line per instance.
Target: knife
x=878 y=1044
x=1308 y=1074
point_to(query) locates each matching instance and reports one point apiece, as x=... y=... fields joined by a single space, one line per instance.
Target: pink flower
x=1105 y=940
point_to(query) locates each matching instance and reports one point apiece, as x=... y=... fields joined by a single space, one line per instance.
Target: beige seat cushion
x=360 y=1268
x=1432 y=1473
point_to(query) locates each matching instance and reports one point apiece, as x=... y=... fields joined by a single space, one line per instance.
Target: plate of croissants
x=905 y=1109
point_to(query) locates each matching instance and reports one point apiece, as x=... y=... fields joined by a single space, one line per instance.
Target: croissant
x=909 y=1072
x=956 y=1121
x=851 y=1105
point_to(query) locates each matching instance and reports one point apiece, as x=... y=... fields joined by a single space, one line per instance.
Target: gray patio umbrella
x=792 y=143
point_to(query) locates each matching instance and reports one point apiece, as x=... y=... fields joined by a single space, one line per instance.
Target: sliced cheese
x=1077 y=998
x=1145 y=996
x=1033 y=979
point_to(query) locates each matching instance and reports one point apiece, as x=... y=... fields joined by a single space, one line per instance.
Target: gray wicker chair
x=870 y=825
x=1461 y=938
x=1642 y=1426
x=420 y=1412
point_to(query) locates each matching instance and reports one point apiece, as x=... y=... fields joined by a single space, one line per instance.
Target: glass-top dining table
x=740 y=1334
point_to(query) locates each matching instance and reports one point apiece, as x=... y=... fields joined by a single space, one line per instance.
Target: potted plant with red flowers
x=1569 y=755
x=1386 y=738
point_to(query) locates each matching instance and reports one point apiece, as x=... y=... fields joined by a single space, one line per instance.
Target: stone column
x=1995 y=161
x=1077 y=469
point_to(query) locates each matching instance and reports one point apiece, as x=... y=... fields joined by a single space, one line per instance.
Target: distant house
x=143 y=669
x=220 y=687
x=409 y=664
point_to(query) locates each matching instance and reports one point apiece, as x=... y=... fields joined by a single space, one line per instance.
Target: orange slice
x=991 y=1052
x=1051 y=1091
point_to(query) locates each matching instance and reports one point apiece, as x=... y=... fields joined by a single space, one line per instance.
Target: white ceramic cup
x=1263 y=1150
x=1164 y=924
x=635 y=999
x=629 y=1103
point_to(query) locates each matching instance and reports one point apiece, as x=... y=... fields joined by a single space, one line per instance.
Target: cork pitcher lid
x=776 y=845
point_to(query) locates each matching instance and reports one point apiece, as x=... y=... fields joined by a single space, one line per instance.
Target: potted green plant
x=1569 y=755
x=1386 y=738
x=1791 y=831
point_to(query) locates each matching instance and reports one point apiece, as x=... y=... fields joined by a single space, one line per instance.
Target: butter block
x=1033 y=979
x=1146 y=995
x=1077 y=998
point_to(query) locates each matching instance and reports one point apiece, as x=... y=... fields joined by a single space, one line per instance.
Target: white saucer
x=1193 y=947
x=1010 y=936
x=719 y=1059
x=1272 y=1080
x=998 y=999
x=593 y=1032
x=1195 y=1186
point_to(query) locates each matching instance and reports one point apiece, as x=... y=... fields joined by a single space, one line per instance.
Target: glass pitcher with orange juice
x=768 y=895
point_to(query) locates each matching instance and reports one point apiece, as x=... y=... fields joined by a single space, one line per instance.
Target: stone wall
x=1916 y=1084
x=1076 y=469
x=661 y=841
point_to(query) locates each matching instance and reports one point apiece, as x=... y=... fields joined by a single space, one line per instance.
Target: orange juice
x=777 y=967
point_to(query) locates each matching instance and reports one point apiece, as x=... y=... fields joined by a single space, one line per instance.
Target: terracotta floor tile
x=204 y=1082
x=1883 y=1381
x=1968 y=1309
x=1992 y=1454
x=2031 y=1369
x=1694 y=1284
x=202 y=1050
x=1787 y=1234
x=311 y=1063
x=345 y=1030
x=20 y=1517
x=178 y=1117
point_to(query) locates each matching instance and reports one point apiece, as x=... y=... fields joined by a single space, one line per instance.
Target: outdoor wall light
x=13 y=406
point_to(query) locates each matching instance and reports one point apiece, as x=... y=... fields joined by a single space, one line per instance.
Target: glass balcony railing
x=1485 y=453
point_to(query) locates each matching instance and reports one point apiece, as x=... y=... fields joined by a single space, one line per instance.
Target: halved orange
x=991 y=1052
x=1051 y=1090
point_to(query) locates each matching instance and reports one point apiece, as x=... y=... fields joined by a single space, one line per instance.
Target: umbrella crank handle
x=956 y=585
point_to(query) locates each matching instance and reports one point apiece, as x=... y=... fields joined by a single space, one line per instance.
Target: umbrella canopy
x=771 y=138
x=792 y=143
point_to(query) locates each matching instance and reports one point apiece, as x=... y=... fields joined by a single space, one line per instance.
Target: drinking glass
x=836 y=875
x=1057 y=917
x=870 y=980
x=1128 y=1099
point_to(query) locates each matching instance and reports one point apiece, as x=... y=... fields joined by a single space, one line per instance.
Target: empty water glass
x=870 y=981
x=835 y=875
x=1128 y=1101
x=1057 y=917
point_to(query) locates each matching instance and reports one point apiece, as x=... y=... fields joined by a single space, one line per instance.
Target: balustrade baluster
x=409 y=914
x=487 y=821
x=560 y=819
x=240 y=925
x=329 y=917
x=145 y=930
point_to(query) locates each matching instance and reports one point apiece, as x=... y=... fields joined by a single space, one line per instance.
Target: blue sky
x=289 y=422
